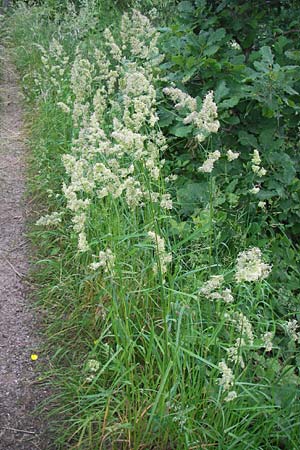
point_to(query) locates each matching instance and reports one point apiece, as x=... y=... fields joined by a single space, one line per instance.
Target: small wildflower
x=166 y=201
x=227 y=296
x=255 y=168
x=261 y=204
x=34 y=357
x=233 y=44
x=82 y=243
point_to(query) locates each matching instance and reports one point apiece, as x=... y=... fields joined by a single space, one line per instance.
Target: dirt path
x=19 y=390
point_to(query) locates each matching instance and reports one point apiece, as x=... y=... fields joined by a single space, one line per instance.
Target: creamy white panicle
x=117 y=146
x=250 y=267
x=227 y=378
x=105 y=260
x=205 y=120
x=208 y=165
x=54 y=71
x=50 y=219
x=181 y=99
x=292 y=327
x=232 y=395
x=211 y=289
x=92 y=365
x=256 y=167
x=83 y=245
x=235 y=352
x=254 y=190
x=65 y=108
x=164 y=257
x=268 y=340
x=213 y=284
x=242 y=326
x=231 y=156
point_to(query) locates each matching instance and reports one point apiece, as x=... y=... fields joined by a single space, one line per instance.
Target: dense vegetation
x=165 y=169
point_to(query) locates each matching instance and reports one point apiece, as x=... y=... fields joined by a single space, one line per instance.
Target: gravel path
x=20 y=391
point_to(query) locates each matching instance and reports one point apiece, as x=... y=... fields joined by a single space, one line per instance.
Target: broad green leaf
x=293 y=54
x=181 y=130
x=221 y=91
x=209 y=51
x=186 y=7
x=216 y=36
x=247 y=139
x=267 y=55
x=192 y=196
x=261 y=66
x=230 y=102
x=166 y=117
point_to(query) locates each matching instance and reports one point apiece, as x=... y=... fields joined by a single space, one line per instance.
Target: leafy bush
x=256 y=82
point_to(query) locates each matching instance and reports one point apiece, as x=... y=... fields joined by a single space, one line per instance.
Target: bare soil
x=20 y=389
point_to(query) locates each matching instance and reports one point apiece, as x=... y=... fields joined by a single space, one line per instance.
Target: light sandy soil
x=20 y=391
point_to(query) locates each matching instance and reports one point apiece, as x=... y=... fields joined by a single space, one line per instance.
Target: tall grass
x=146 y=352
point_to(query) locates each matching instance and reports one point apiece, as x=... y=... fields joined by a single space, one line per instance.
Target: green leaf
x=209 y=51
x=231 y=120
x=293 y=54
x=221 y=91
x=216 y=36
x=290 y=90
x=285 y=394
x=181 y=130
x=192 y=196
x=186 y=7
x=261 y=66
x=268 y=112
x=284 y=167
x=267 y=55
x=230 y=102
x=166 y=117
x=247 y=139
x=267 y=140
x=179 y=60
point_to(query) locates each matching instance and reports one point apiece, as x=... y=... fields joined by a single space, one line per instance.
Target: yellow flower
x=34 y=357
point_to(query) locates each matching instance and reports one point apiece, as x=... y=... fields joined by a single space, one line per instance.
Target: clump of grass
x=155 y=342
